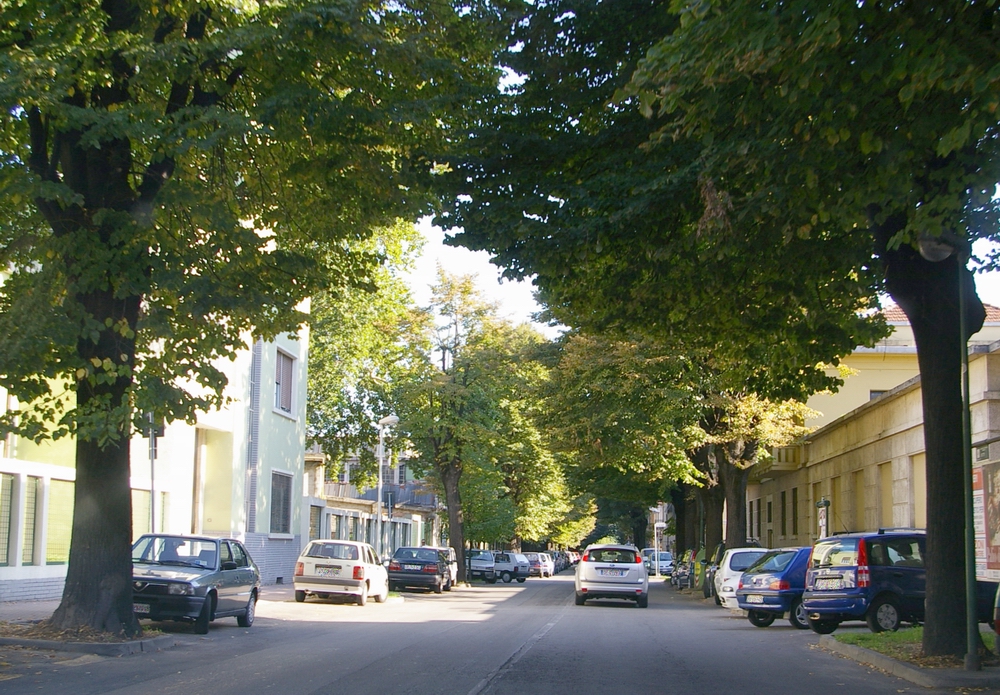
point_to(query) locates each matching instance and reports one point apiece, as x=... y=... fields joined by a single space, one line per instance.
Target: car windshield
x=774 y=561
x=740 y=561
x=613 y=555
x=835 y=552
x=422 y=554
x=176 y=550
x=485 y=554
x=666 y=557
x=332 y=551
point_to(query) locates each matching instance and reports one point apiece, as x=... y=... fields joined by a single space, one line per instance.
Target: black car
x=193 y=579
x=424 y=567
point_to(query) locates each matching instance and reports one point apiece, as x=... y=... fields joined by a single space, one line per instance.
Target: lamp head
x=389 y=420
x=934 y=248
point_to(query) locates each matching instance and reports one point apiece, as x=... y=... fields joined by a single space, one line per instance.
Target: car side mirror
x=229 y=565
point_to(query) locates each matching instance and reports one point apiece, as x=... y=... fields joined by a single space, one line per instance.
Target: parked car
x=329 y=568
x=452 y=558
x=612 y=571
x=548 y=565
x=711 y=566
x=772 y=587
x=480 y=565
x=727 y=577
x=193 y=579
x=666 y=561
x=877 y=577
x=680 y=577
x=509 y=565
x=423 y=567
x=536 y=565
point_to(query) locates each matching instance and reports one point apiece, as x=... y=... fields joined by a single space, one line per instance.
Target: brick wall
x=274 y=556
x=43 y=589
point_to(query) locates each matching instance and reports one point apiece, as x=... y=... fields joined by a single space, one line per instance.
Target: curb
x=937 y=678
x=102 y=648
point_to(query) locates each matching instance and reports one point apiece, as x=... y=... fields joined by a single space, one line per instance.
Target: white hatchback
x=340 y=568
x=612 y=571
x=727 y=577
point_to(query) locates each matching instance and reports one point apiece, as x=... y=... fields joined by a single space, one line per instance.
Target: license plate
x=140 y=608
x=827 y=584
x=754 y=598
x=411 y=567
x=327 y=571
x=612 y=573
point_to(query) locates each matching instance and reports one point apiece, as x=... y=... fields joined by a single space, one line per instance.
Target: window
x=795 y=511
x=769 y=511
x=59 y=522
x=281 y=503
x=402 y=473
x=784 y=515
x=239 y=555
x=31 y=500
x=283 y=383
x=6 y=492
x=759 y=515
x=314 y=517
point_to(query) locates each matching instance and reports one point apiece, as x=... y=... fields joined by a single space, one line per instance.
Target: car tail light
x=586 y=557
x=394 y=566
x=864 y=574
x=740 y=585
x=779 y=585
x=299 y=569
x=638 y=558
x=359 y=571
x=430 y=569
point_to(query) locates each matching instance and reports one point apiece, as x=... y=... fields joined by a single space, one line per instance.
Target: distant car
x=509 y=565
x=340 y=568
x=193 y=579
x=772 y=587
x=612 y=571
x=537 y=570
x=666 y=561
x=548 y=564
x=727 y=576
x=452 y=558
x=425 y=567
x=480 y=565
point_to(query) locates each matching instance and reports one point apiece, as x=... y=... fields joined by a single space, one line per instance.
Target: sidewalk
x=27 y=611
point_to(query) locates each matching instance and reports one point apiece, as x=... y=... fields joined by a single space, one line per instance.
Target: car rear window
x=333 y=551
x=740 y=561
x=422 y=554
x=775 y=561
x=613 y=555
x=836 y=552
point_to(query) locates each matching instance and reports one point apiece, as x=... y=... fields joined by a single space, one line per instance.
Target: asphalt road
x=483 y=640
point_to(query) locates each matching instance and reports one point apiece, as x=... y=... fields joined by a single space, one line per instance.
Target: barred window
x=281 y=503
x=59 y=523
x=31 y=500
x=6 y=492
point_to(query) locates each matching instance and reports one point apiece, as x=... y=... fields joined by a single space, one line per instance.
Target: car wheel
x=246 y=620
x=520 y=580
x=447 y=584
x=797 y=616
x=393 y=586
x=204 y=617
x=382 y=595
x=362 y=598
x=580 y=599
x=823 y=627
x=491 y=580
x=505 y=577
x=718 y=599
x=642 y=601
x=883 y=615
x=300 y=596
x=760 y=618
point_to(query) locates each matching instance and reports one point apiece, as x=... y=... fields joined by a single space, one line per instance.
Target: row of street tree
x=713 y=194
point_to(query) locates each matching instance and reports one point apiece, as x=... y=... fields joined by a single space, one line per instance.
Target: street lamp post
x=387 y=421
x=936 y=249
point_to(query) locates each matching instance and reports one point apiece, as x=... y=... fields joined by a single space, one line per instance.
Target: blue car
x=772 y=588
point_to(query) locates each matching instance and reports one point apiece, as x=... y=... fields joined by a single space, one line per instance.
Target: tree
x=177 y=177
x=860 y=127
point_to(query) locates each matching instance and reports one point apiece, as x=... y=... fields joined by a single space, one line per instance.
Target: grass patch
x=907 y=645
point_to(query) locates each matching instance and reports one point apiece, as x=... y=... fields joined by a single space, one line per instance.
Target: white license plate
x=612 y=573
x=326 y=571
x=140 y=608
x=827 y=584
x=411 y=567
x=755 y=598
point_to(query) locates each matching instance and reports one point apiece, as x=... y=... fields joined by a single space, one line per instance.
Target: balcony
x=411 y=494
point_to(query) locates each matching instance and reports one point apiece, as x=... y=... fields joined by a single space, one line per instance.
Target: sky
x=516 y=299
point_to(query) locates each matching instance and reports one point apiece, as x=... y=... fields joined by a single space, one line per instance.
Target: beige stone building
x=866 y=456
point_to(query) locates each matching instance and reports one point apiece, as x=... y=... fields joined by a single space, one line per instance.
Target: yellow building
x=866 y=456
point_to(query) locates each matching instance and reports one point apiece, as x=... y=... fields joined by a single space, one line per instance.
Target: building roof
x=893 y=314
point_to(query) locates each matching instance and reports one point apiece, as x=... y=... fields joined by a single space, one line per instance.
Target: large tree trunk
x=678 y=498
x=713 y=499
x=734 y=483
x=98 y=589
x=640 y=526
x=928 y=293
x=450 y=475
x=692 y=524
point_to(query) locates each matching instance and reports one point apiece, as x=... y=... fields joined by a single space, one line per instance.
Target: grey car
x=193 y=579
